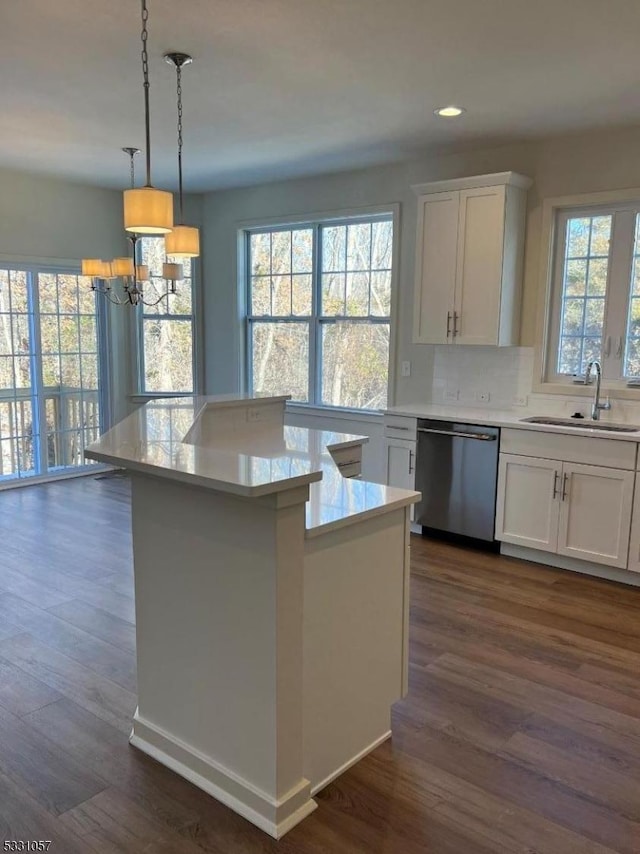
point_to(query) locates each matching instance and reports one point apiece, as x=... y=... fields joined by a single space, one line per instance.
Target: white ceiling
x=281 y=88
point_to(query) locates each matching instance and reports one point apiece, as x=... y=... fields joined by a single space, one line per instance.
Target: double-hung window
x=595 y=307
x=319 y=311
x=165 y=330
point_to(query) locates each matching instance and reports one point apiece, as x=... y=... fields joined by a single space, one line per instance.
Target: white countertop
x=261 y=460
x=509 y=418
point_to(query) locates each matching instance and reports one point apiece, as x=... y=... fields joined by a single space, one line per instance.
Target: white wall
x=562 y=166
x=47 y=220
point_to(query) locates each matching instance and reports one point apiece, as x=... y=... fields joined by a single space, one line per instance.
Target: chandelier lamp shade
x=184 y=240
x=148 y=211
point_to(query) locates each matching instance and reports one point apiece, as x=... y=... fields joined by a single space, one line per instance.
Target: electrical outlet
x=483 y=396
x=521 y=400
x=405 y=370
x=451 y=395
x=253 y=414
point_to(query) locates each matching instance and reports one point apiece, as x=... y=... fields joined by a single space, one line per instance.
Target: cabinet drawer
x=400 y=427
x=573 y=449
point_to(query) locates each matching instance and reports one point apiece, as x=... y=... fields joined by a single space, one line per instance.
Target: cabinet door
x=401 y=465
x=595 y=514
x=634 y=540
x=436 y=249
x=528 y=502
x=479 y=267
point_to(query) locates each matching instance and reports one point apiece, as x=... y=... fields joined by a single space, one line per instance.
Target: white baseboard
x=609 y=573
x=335 y=774
x=275 y=817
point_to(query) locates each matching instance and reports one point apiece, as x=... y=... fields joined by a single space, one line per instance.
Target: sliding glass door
x=51 y=388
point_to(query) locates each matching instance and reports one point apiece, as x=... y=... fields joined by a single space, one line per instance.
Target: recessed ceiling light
x=449 y=112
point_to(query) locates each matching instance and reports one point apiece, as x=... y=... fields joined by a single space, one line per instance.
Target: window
x=319 y=306
x=51 y=372
x=166 y=330
x=595 y=312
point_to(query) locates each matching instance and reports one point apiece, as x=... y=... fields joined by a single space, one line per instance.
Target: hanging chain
x=179 y=91
x=132 y=171
x=145 y=75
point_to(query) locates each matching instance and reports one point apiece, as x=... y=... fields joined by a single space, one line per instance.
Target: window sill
x=334 y=411
x=616 y=391
x=158 y=395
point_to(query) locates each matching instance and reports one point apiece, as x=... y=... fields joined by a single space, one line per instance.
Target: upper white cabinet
x=469 y=253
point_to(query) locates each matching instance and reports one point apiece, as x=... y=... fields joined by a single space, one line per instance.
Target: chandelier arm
x=166 y=294
x=115 y=300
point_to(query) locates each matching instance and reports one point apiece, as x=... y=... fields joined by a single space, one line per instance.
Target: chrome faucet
x=597 y=406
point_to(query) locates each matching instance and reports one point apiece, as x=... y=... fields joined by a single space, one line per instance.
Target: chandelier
x=148 y=211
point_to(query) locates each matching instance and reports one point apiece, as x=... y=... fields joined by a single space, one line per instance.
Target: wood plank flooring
x=521 y=731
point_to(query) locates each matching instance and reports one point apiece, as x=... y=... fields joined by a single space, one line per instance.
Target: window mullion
x=315 y=332
x=617 y=304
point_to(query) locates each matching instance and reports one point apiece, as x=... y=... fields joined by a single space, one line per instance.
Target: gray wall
x=562 y=166
x=47 y=220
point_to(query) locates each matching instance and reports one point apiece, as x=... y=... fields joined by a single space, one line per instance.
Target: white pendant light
x=184 y=240
x=147 y=210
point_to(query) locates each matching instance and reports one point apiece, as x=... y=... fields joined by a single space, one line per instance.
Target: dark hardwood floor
x=521 y=731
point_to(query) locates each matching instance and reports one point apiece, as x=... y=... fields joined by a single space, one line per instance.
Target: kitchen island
x=271 y=600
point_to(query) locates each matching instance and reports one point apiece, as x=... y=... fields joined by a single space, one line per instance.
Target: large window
x=166 y=330
x=51 y=373
x=595 y=311
x=319 y=306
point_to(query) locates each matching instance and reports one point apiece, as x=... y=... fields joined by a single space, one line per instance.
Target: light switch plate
x=451 y=395
x=405 y=369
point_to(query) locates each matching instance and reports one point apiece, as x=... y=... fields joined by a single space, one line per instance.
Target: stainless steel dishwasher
x=457 y=473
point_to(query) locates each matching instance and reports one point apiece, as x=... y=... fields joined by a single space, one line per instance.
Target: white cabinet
x=400 y=435
x=469 y=253
x=401 y=463
x=634 y=540
x=581 y=511
x=595 y=514
x=527 y=511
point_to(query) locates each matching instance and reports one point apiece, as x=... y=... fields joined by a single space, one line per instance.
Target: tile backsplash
x=496 y=377
x=502 y=378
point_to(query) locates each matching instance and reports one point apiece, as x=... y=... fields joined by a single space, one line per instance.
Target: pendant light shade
x=91 y=267
x=183 y=242
x=122 y=266
x=174 y=272
x=142 y=272
x=148 y=211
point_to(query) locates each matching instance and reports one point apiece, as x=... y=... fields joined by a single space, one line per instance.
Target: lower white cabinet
x=580 y=511
x=401 y=464
x=527 y=510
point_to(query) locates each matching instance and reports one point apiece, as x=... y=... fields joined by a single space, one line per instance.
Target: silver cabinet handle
x=394 y=427
x=619 y=347
x=412 y=468
x=556 y=475
x=448 y=324
x=455 y=323
x=607 y=347
x=565 y=483
x=458 y=434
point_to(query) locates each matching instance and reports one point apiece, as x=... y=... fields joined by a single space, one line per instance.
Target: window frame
x=33 y=269
x=555 y=214
x=141 y=315
x=316 y=321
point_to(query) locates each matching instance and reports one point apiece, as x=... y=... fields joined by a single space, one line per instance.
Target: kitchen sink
x=582 y=423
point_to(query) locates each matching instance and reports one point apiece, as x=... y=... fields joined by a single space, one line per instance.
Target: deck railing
x=72 y=418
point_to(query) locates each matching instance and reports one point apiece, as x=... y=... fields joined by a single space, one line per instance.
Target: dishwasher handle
x=459 y=434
